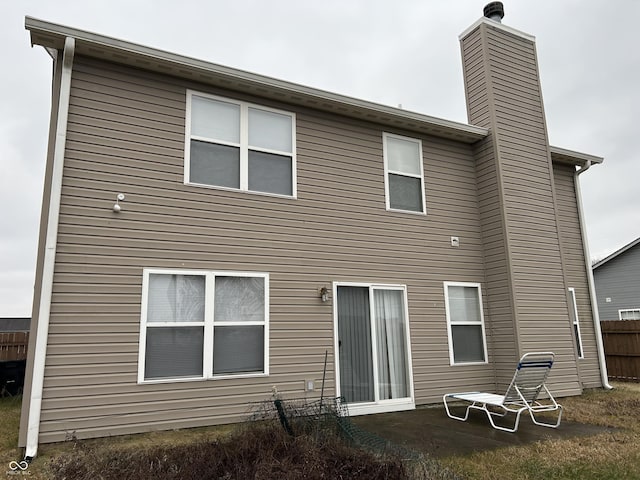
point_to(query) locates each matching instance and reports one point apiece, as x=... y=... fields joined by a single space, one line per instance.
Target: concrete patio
x=430 y=430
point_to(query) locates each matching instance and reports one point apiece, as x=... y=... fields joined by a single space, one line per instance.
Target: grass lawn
x=607 y=456
x=612 y=455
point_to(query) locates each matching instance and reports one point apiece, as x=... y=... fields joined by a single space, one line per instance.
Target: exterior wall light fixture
x=116 y=206
x=324 y=294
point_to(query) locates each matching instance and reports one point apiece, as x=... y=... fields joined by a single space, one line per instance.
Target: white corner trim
x=42 y=333
x=498 y=25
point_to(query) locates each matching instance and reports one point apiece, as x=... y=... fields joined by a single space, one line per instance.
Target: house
x=208 y=234
x=14 y=324
x=617 y=282
x=14 y=336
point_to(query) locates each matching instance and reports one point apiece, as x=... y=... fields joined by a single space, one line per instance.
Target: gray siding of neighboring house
x=619 y=280
x=126 y=134
x=576 y=271
x=503 y=94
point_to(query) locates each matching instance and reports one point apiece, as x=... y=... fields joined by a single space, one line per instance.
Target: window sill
x=252 y=192
x=201 y=379
x=410 y=212
x=467 y=364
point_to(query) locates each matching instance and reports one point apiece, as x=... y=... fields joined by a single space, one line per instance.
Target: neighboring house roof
x=616 y=253
x=14 y=324
x=51 y=35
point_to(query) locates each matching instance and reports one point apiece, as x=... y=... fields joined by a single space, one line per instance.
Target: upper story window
x=403 y=172
x=241 y=146
x=465 y=322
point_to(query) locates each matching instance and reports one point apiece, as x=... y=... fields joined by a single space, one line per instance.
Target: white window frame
x=387 y=171
x=243 y=145
x=208 y=324
x=478 y=286
x=576 y=321
x=626 y=310
x=378 y=406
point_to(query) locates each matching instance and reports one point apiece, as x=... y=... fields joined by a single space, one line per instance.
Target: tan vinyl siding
x=503 y=92
x=503 y=349
x=504 y=336
x=126 y=135
x=575 y=271
x=534 y=243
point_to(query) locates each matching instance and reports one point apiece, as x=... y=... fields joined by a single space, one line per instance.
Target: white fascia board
x=49 y=34
x=501 y=26
x=573 y=157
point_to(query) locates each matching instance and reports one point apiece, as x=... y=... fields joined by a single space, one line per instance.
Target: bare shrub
x=262 y=451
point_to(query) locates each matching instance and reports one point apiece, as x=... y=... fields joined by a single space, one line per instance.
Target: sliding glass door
x=373 y=343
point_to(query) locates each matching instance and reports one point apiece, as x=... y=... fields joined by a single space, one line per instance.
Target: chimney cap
x=494 y=11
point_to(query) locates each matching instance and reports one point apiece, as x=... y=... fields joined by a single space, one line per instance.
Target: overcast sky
x=401 y=52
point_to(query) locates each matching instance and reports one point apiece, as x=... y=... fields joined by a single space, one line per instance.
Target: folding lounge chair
x=522 y=395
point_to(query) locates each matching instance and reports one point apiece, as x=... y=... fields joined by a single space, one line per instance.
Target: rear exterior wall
x=126 y=135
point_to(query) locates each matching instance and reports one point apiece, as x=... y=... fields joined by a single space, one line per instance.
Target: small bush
x=261 y=452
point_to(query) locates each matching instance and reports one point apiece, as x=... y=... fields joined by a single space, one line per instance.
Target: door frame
x=378 y=406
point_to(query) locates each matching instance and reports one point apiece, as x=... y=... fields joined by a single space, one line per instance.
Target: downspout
x=592 y=289
x=42 y=333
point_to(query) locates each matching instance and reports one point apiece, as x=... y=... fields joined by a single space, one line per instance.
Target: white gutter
x=42 y=333
x=113 y=49
x=592 y=289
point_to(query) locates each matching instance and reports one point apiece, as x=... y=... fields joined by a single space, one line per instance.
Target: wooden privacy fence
x=621 y=340
x=13 y=345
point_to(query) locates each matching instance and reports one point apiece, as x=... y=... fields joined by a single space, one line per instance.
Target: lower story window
x=576 y=321
x=203 y=324
x=465 y=323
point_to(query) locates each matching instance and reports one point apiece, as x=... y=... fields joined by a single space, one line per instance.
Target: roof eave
x=579 y=159
x=51 y=35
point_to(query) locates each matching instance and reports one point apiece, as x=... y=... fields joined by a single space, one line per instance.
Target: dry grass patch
x=9 y=426
x=259 y=451
x=604 y=456
x=253 y=450
x=611 y=455
x=619 y=408
x=50 y=456
x=230 y=453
